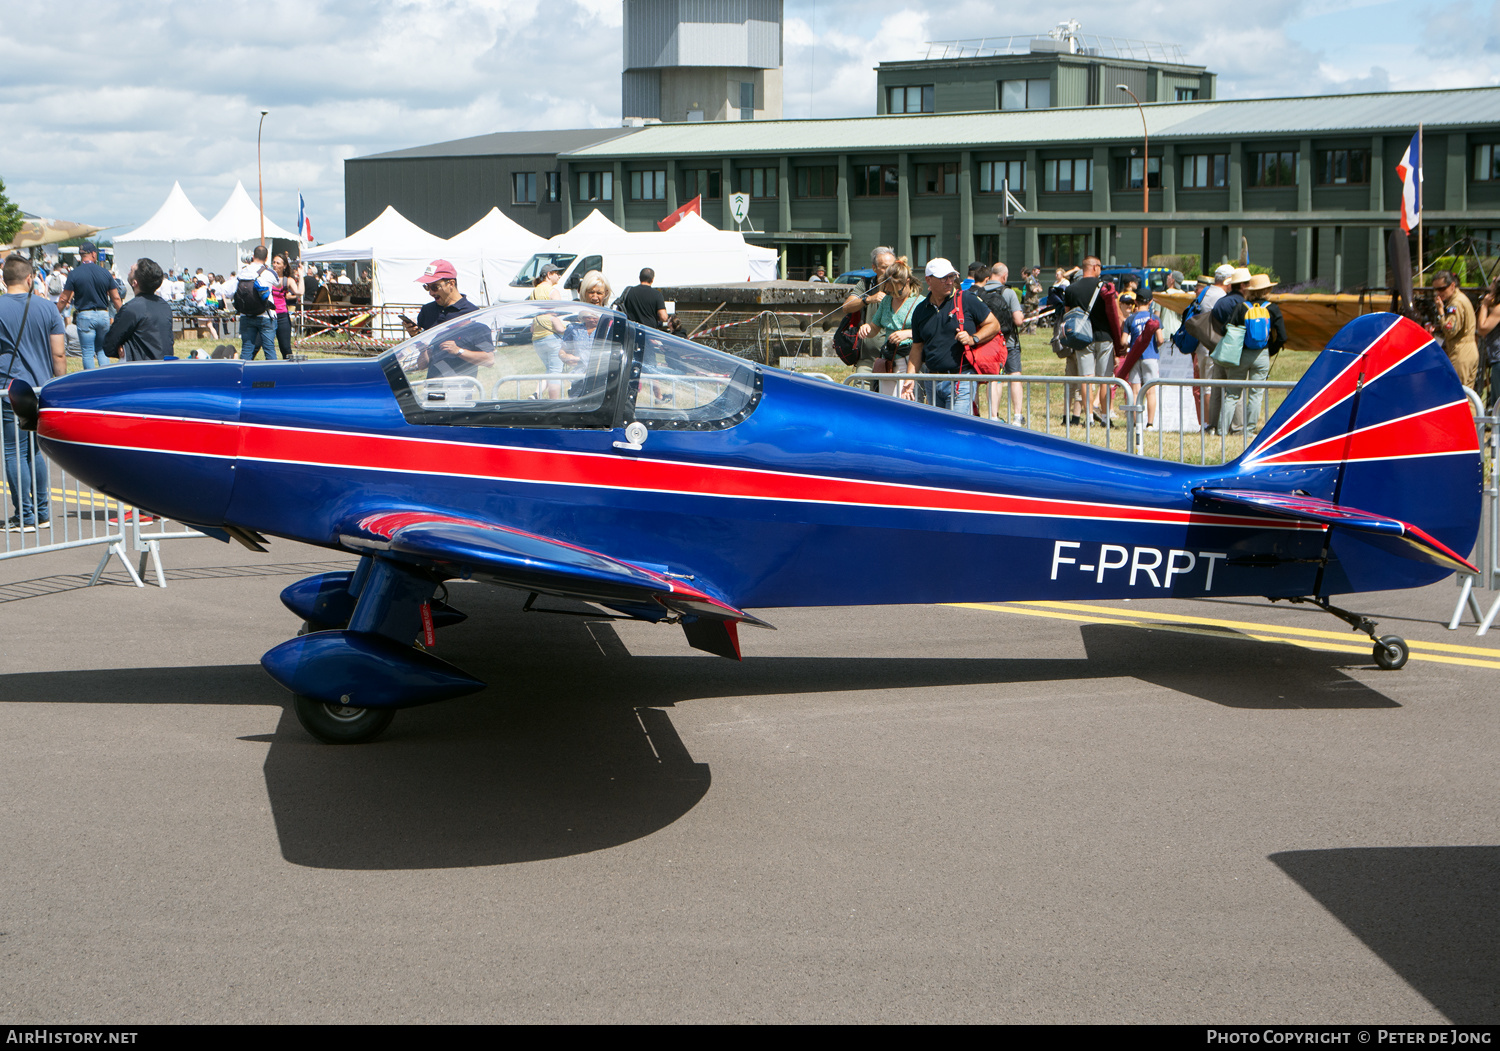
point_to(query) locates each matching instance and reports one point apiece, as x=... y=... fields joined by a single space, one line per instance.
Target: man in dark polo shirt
x=938 y=340
x=91 y=292
x=466 y=347
x=142 y=330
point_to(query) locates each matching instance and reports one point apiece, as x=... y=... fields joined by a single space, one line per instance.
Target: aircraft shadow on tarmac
x=1431 y=913
x=571 y=750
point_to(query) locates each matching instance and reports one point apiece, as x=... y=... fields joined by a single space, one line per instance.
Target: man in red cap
x=470 y=345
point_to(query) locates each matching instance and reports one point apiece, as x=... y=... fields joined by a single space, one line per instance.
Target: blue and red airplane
x=668 y=482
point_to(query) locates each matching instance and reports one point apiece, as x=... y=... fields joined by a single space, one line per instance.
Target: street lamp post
x=1145 y=175
x=260 y=183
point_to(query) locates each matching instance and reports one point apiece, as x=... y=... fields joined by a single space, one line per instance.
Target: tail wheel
x=339 y=724
x=1391 y=652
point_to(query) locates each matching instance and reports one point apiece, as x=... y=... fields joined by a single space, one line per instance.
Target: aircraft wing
x=1392 y=534
x=529 y=562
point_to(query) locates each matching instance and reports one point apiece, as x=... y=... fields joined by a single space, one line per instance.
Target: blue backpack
x=1182 y=339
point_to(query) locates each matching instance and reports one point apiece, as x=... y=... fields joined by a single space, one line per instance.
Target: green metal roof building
x=1303 y=184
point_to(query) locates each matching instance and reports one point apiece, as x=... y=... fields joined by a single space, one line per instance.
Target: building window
x=596 y=186
x=648 y=186
x=914 y=99
x=1187 y=94
x=987 y=248
x=1202 y=171
x=703 y=182
x=525 y=188
x=1132 y=173
x=937 y=178
x=876 y=180
x=993 y=175
x=1025 y=94
x=1343 y=167
x=1486 y=163
x=922 y=249
x=1063 y=249
x=759 y=183
x=1273 y=169
x=1074 y=175
x=822 y=181
x=747 y=100
x=554 y=187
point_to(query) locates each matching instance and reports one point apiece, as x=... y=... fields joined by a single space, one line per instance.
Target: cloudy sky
x=102 y=110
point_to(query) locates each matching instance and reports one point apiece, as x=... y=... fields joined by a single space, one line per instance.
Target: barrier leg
x=152 y=550
x=1489 y=618
x=1466 y=597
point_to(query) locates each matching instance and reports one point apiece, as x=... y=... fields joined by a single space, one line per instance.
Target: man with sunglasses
x=469 y=346
x=1457 y=327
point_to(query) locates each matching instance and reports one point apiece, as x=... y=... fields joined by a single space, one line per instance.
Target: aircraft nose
x=162 y=436
x=22 y=397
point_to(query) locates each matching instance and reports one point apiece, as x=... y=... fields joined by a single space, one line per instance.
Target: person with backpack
x=257 y=309
x=1264 y=334
x=1005 y=304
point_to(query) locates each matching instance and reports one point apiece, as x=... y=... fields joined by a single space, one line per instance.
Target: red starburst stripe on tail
x=1397 y=343
x=1434 y=432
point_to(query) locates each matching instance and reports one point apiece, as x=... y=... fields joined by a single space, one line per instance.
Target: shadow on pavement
x=571 y=750
x=1431 y=913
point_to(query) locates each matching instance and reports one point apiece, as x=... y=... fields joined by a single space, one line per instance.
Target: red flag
x=695 y=206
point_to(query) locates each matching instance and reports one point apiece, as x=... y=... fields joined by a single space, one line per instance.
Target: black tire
x=1391 y=652
x=333 y=724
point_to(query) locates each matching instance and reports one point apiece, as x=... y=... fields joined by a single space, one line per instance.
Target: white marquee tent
x=239 y=222
x=400 y=250
x=497 y=245
x=176 y=236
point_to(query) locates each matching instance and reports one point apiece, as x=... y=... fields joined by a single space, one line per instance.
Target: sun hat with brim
x=1240 y=276
x=1260 y=281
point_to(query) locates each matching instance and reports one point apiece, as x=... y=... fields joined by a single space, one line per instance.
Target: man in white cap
x=942 y=331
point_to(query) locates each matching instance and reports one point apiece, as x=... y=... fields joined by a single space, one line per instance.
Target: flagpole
x=1421 y=260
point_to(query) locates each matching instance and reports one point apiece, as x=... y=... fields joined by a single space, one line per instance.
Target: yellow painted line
x=1258 y=632
x=1246 y=625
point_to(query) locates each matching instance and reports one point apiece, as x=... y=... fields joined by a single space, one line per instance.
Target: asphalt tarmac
x=1087 y=812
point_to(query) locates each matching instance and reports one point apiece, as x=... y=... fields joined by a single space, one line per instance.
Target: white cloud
x=101 y=114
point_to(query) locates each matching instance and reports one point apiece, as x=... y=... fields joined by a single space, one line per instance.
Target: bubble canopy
x=565 y=364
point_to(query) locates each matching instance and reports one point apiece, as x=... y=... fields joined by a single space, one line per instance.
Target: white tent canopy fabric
x=176 y=236
x=239 y=221
x=496 y=246
x=400 y=250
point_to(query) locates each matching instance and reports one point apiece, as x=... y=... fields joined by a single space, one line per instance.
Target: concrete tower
x=688 y=60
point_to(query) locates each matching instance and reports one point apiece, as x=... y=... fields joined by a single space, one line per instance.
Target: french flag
x=1410 y=170
x=304 y=221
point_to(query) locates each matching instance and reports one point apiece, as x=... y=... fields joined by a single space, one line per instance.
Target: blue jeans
x=23 y=466
x=92 y=325
x=951 y=394
x=257 y=333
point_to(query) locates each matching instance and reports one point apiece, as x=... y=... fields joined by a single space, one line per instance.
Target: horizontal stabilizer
x=1392 y=534
x=530 y=562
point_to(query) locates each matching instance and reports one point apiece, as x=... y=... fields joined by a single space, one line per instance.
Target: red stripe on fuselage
x=508 y=463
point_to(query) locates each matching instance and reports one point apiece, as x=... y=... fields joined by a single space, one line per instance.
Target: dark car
x=1155 y=275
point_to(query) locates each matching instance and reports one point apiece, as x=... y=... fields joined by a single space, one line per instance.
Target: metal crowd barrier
x=62 y=513
x=1128 y=431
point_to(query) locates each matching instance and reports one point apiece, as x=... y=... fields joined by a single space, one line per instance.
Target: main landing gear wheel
x=1391 y=652
x=337 y=724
